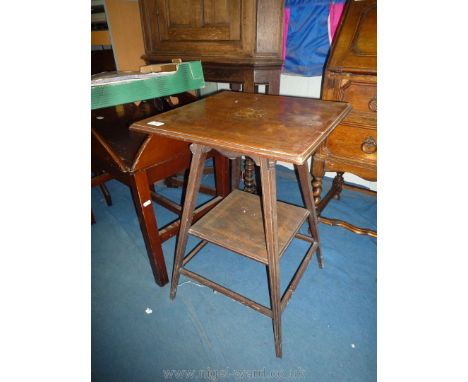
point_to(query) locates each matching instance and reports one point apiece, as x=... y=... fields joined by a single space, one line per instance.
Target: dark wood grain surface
x=237 y=224
x=252 y=124
x=241 y=31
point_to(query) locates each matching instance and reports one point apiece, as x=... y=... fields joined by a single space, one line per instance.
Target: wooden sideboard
x=238 y=41
x=351 y=76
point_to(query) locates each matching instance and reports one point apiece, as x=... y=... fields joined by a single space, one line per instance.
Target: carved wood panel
x=199 y=20
x=216 y=31
x=364 y=43
x=355 y=49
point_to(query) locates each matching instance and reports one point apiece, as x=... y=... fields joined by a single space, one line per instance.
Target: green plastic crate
x=189 y=76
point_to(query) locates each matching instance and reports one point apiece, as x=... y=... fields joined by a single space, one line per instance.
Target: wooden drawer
x=359 y=90
x=354 y=143
x=362 y=94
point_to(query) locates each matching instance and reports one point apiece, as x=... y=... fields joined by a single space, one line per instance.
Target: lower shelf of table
x=236 y=223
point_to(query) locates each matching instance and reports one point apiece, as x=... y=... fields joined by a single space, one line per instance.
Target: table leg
x=221 y=165
x=306 y=188
x=140 y=188
x=249 y=176
x=106 y=193
x=196 y=171
x=317 y=170
x=268 y=179
x=235 y=173
x=338 y=184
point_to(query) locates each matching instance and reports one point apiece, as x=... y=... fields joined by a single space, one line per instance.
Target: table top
x=281 y=128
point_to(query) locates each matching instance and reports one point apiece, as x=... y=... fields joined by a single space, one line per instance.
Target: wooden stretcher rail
x=228 y=292
x=194 y=251
x=297 y=276
x=348 y=226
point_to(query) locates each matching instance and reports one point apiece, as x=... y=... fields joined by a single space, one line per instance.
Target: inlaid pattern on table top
x=278 y=127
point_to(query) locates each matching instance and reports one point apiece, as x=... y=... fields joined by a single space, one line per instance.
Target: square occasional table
x=267 y=129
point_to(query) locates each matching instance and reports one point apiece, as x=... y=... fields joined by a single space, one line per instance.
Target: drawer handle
x=373 y=104
x=369 y=146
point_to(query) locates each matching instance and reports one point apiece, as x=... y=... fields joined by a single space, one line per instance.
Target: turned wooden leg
x=306 y=189
x=249 y=176
x=249 y=165
x=338 y=185
x=248 y=86
x=193 y=185
x=268 y=177
x=318 y=170
x=140 y=188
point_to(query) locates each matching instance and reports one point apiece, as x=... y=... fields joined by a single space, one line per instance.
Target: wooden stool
x=267 y=129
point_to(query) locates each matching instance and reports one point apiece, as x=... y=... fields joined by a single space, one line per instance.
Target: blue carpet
x=329 y=325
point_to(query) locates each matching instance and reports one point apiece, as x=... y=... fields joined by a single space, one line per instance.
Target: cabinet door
x=191 y=28
x=199 y=20
x=215 y=31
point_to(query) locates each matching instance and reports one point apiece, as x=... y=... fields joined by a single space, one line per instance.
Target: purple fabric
x=287 y=16
x=336 y=9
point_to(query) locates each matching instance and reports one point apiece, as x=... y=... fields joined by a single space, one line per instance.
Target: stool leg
x=306 y=188
x=268 y=180
x=140 y=188
x=193 y=185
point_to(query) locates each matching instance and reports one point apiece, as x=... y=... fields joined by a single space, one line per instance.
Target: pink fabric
x=336 y=10
x=287 y=16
